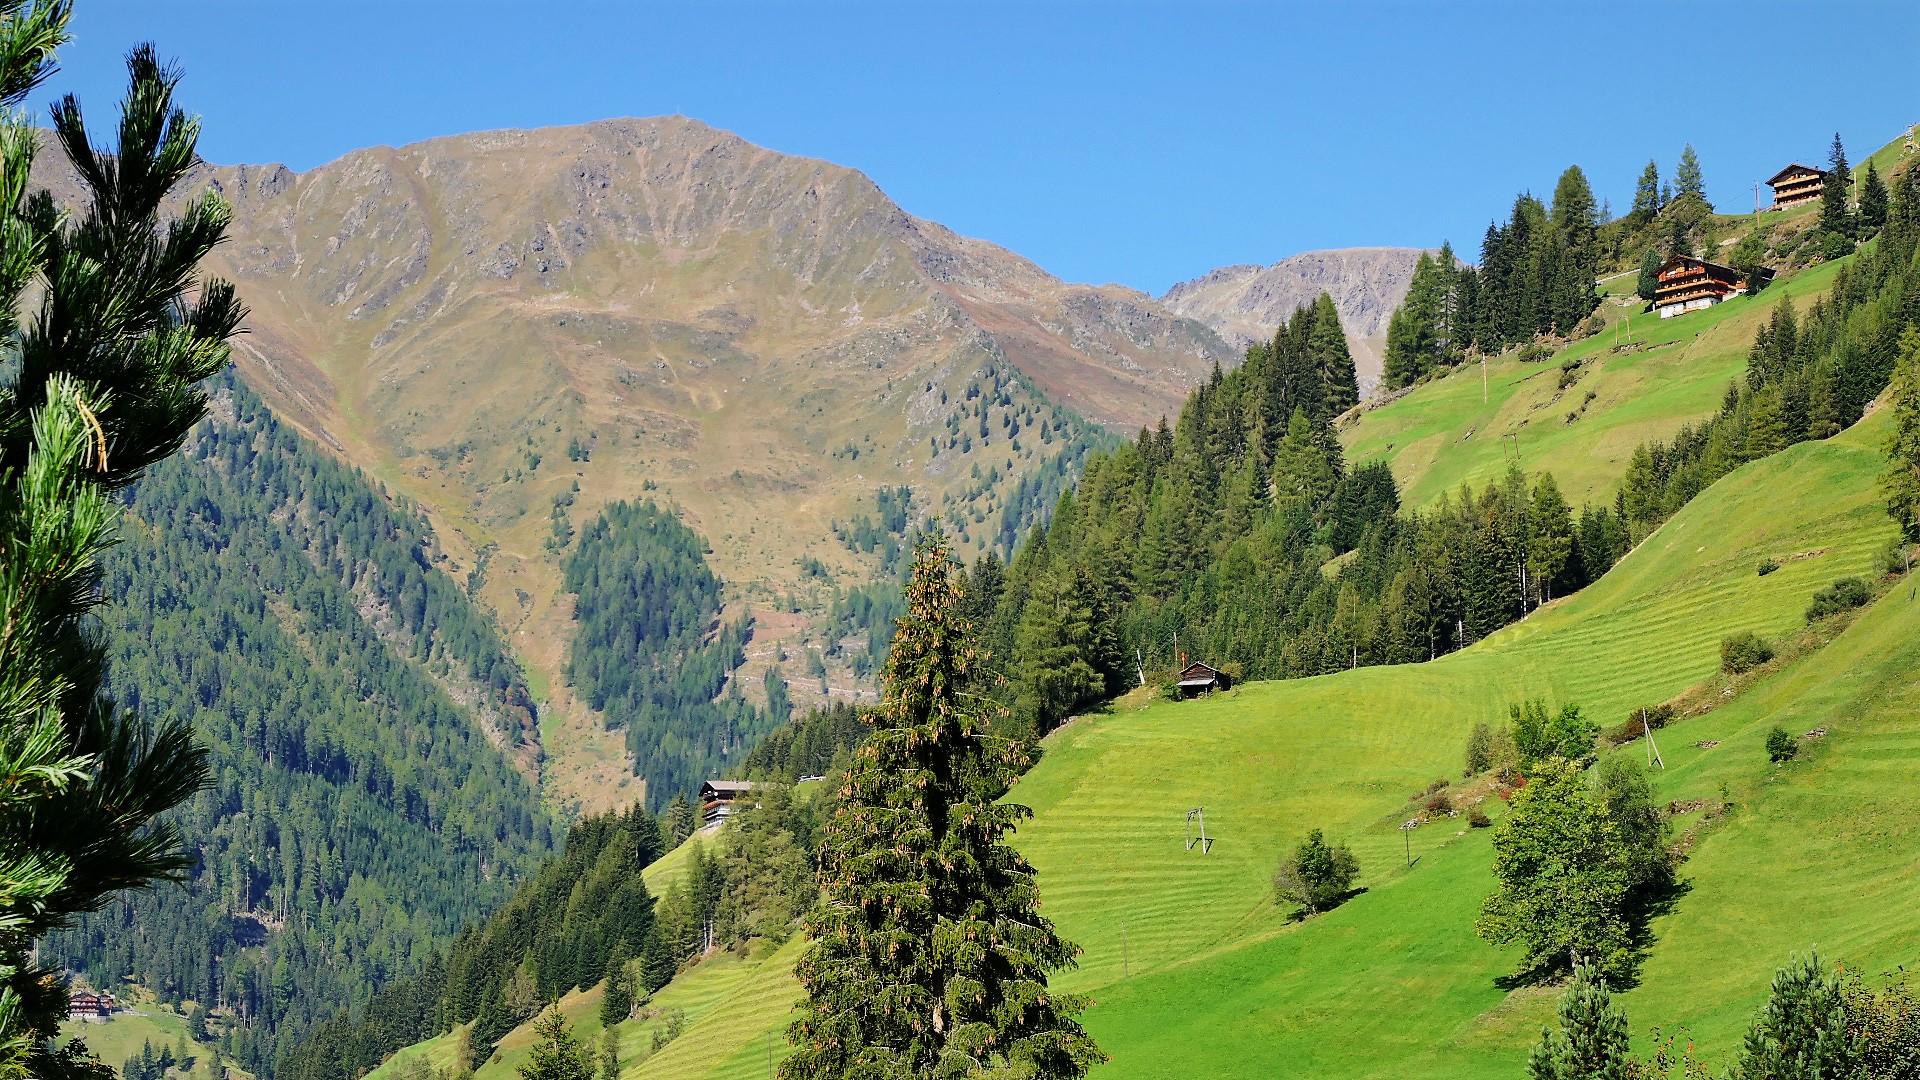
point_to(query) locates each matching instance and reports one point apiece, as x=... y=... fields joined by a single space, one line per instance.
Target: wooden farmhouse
x=1689 y=284
x=1796 y=184
x=717 y=799
x=1198 y=678
x=87 y=1005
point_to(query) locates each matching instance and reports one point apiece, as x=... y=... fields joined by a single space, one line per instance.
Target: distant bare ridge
x=1245 y=303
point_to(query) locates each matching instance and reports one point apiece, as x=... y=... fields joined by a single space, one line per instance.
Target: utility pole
x=1406 y=833
x=1653 y=748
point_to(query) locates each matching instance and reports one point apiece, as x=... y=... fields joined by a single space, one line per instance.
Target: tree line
x=1535 y=277
x=1243 y=534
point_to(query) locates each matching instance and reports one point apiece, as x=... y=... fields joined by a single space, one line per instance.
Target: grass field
x=1195 y=971
x=116 y=1040
x=1667 y=373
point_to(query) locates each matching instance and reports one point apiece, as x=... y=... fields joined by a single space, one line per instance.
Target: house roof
x=1676 y=260
x=1795 y=169
x=1187 y=672
x=727 y=787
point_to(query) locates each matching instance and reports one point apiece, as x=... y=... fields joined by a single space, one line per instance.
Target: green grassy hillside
x=1647 y=377
x=1194 y=969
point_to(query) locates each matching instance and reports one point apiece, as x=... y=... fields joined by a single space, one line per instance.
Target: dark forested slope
x=360 y=712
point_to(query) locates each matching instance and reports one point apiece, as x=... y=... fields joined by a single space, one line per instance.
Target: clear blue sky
x=1130 y=142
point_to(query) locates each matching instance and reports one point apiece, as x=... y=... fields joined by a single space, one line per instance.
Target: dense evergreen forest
x=650 y=650
x=1536 y=276
x=587 y=915
x=1242 y=533
x=356 y=706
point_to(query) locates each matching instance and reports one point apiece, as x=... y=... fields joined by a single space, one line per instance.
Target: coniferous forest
x=1243 y=534
x=358 y=708
x=641 y=651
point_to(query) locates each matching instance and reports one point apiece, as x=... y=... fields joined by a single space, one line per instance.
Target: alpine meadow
x=504 y=578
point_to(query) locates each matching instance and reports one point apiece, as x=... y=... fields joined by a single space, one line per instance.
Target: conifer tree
x=1550 y=540
x=1873 y=202
x=1801 y=1032
x=1834 y=216
x=1688 y=180
x=102 y=382
x=1646 y=196
x=1649 y=274
x=1064 y=648
x=1901 y=481
x=1327 y=344
x=929 y=956
x=557 y=1055
x=1592 y=1041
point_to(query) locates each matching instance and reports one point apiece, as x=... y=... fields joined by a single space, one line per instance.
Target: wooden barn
x=1796 y=184
x=717 y=799
x=1198 y=678
x=1689 y=284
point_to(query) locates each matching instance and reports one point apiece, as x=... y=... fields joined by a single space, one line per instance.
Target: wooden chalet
x=717 y=799
x=87 y=1005
x=1689 y=284
x=1796 y=184
x=1198 y=678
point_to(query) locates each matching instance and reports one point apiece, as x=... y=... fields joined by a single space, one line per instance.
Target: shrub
x=1781 y=745
x=1887 y=1020
x=1534 y=352
x=1767 y=566
x=1742 y=652
x=1317 y=876
x=1538 y=734
x=1170 y=691
x=1843 y=595
x=1438 y=804
x=1655 y=717
x=1477 y=818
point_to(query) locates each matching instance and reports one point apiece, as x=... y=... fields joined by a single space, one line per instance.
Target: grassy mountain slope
x=1647 y=377
x=1195 y=970
x=486 y=321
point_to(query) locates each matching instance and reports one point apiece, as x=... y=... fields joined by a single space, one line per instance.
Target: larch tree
x=929 y=955
x=99 y=383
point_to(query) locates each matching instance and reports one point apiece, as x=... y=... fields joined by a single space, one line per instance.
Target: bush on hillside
x=1767 y=566
x=1533 y=352
x=1886 y=1019
x=1317 y=877
x=1843 y=595
x=1640 y=719
x=1477 y=818
x=1538 y=734
x=1781 y=745
x=1743 y=651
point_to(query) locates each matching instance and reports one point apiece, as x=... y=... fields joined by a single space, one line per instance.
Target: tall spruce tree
x=1688 y=181
x=1649 y=274
x=1646 y=197
x=1873 y=202
x=100 y=383
x=929 y=956
x=1327 y=345
x=1834 y=215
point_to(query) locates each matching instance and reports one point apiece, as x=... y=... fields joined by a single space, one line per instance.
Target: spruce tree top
x=930 y=957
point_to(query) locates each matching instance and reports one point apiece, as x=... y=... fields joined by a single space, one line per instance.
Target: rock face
x=1243 y=304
